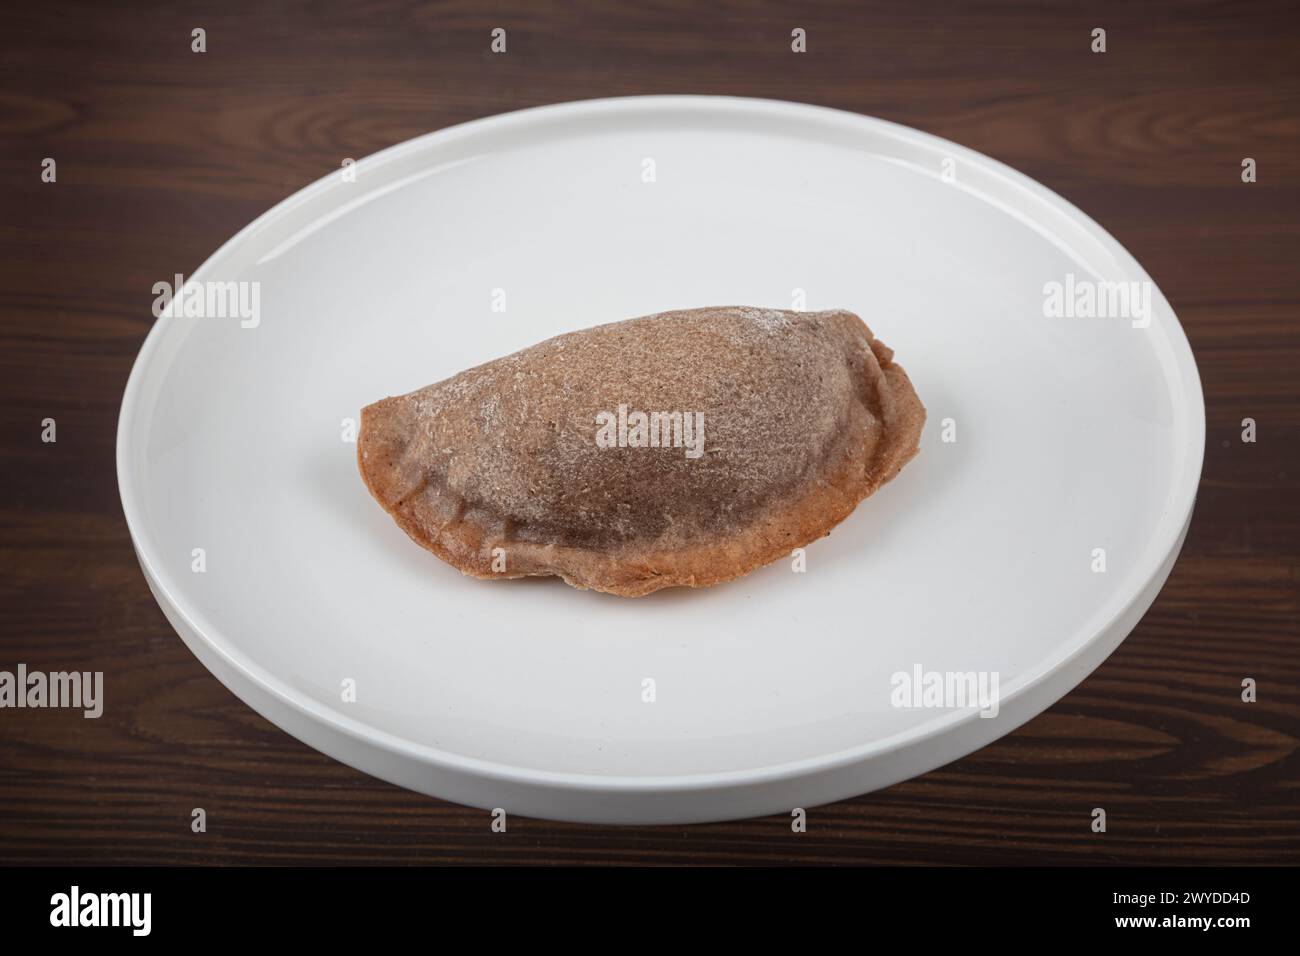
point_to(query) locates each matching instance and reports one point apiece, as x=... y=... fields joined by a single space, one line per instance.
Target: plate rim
x=1165 y=545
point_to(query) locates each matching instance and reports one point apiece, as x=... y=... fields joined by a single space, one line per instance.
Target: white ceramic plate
x=772 y=692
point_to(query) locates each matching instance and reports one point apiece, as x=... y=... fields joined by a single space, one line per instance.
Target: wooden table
x=163 y=153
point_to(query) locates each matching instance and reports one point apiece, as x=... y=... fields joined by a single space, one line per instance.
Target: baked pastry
x=684 y=448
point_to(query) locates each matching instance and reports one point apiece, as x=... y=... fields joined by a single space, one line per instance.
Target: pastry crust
x=501 y=471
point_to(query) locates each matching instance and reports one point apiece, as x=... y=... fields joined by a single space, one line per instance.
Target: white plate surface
x=772 y=692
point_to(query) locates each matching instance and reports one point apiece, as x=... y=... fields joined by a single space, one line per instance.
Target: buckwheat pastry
x=679 y=449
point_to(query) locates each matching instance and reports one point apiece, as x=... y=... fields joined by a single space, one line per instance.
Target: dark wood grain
x=163 y=154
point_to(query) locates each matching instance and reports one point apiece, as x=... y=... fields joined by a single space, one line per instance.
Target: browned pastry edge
x=785 y=526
